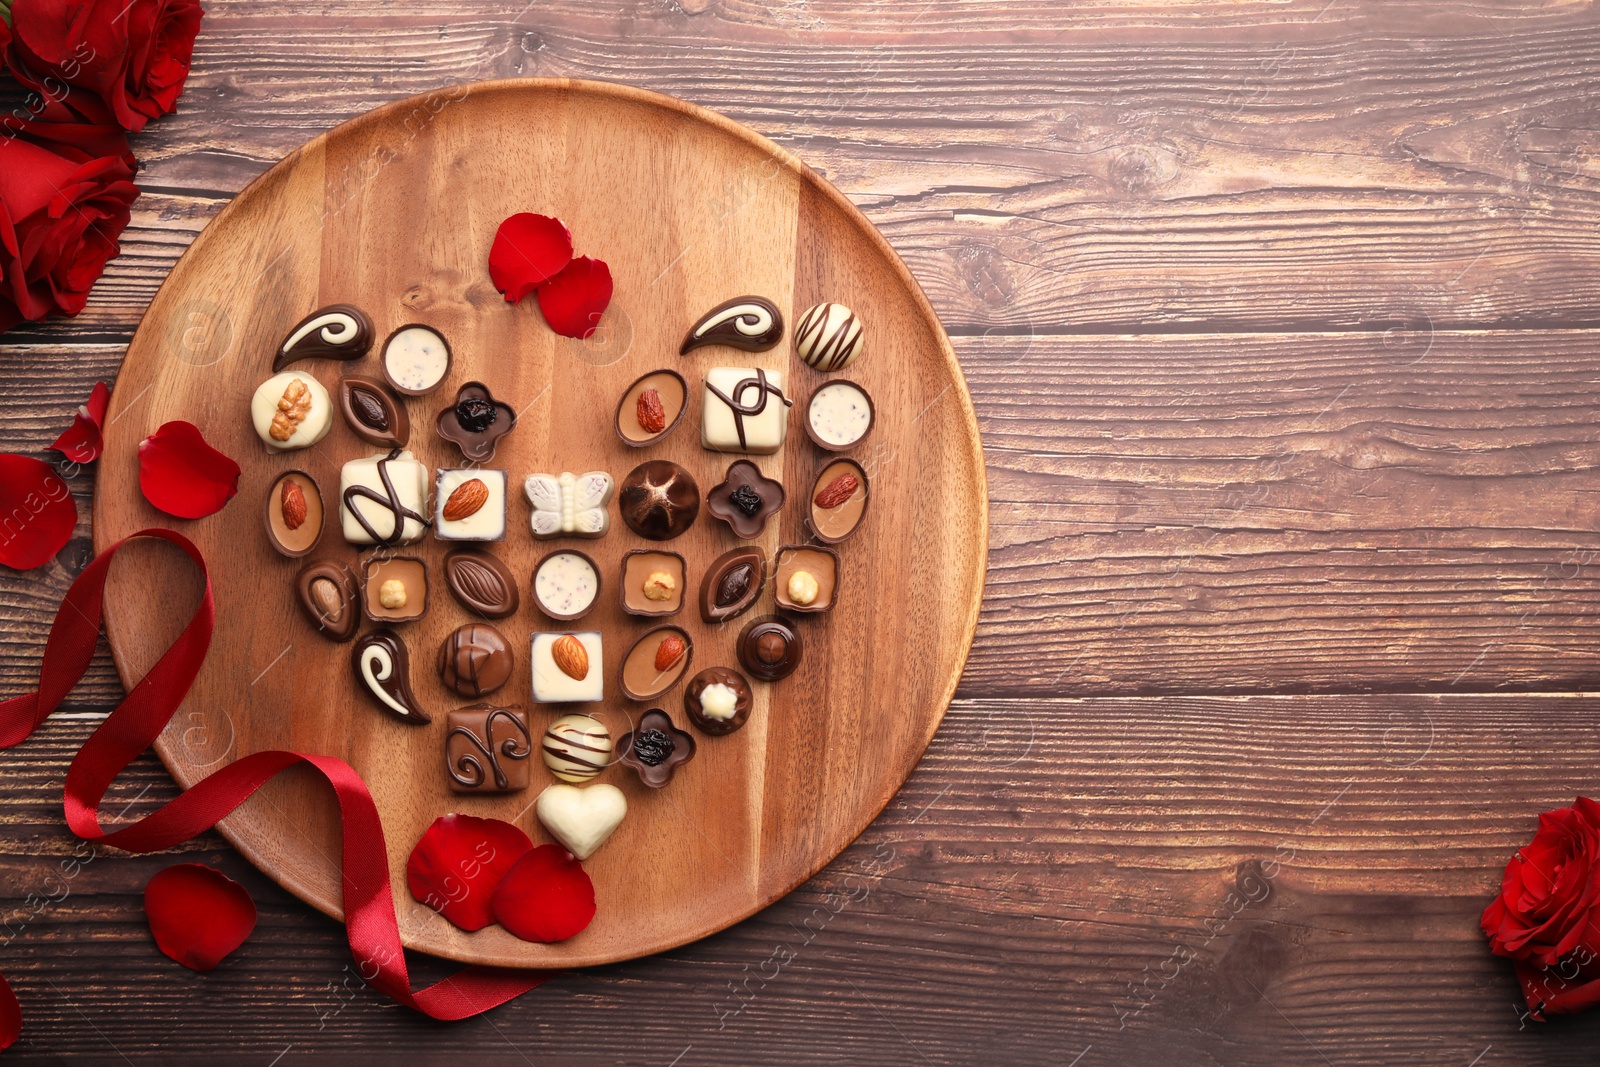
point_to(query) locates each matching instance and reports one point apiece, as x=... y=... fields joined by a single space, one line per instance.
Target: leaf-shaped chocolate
x=734 y=585
x=482 y=583
x=372 y=410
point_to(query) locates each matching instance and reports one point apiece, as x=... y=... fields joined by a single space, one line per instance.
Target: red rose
x=5 y=43
x=1547 y=916
x=135 y=56
x=65 y=192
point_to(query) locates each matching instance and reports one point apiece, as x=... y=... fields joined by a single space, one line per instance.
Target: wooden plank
x=1046 y=859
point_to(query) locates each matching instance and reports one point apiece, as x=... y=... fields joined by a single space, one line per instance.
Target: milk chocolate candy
x=752 y=323
x=486 y=749
x=338 y=331
x=476 y=422
x=394 y=589
x=732 y=583
x=769 y=648
x=653 y=581
x=327 y=594
x=655 y=749
x=717 y=700
x=745 y=499
x=656 y=662
x=651 y=408
x=475 y=660
x=373 y=412
x=838 y=501
x=482 y=583
x=383 y=671
x=807 y=578
x=292 y=514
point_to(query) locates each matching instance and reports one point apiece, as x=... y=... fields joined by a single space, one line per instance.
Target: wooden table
x=1278 y=317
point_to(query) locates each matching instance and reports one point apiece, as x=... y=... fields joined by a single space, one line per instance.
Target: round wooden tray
x=394 y=212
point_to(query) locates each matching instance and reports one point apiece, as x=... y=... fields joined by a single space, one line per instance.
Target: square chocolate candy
x=470 y=505
x=487 y=749
x=745 y=411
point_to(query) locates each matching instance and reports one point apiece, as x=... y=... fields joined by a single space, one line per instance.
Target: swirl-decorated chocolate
x=828 y=337
x=487 y=749
x=384 y=671
x=338 y=331
x=752 y=323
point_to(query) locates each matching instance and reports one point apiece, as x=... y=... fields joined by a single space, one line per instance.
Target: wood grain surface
x=1278 y=319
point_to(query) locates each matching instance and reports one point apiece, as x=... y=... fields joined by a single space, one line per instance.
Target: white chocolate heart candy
x=581 y=819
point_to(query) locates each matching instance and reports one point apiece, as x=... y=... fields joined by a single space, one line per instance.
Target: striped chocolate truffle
x=576 y=748
x=828 y=337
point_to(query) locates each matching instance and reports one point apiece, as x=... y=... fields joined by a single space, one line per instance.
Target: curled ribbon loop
x=133 y=726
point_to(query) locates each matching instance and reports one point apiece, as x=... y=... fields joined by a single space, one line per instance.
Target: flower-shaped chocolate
x=655 y=748
x=745 y=499
x=476 y=422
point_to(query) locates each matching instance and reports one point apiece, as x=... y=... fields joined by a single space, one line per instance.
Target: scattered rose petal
x=197 y=914
x=574 y=300
x=528 y=250
x=37 y=512
x=10 y=1016
x=459 y=863
x=81 y=442
x=547 y=896
x=182 y=475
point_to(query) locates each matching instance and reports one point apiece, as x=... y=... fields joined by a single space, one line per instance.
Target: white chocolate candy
x=828 y=337
x=577 y=748
x=581 y=819
x=840 y=414
x=368 y=515
x=416 y=359
x=745 y=411
x=718 y=701
x=565 y=585
x=488 y=523
x=552 y=685
x=569 y=504
x=305 y=410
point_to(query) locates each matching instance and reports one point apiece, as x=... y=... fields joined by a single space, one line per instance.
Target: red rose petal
x=574 y=300
x=198 y=915
x=10 y=1016
x=81 y=442
x=37 y=512
x=182 y=475
x=459 y=863
x=547 y=896
x=528 y=250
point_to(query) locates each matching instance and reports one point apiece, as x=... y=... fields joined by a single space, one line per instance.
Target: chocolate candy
x=326 y=591
x=717 y=700
x=577 y=748
x=659 y=500
x=383 y=498
x=292 y=514
x=581 y=819
x=807 y=578
x=383 y=669
x=394 y=589
x=566 y=585
x=651 y=408
x=469 y=505
x=655 y=749
x=475 y=660
x=337 y=331
x=839 y=416
x=655 y=663
x=482 y=583
x=373 y=412
x=416 y=359
x=752 y=323
x=567 y=667
x=732 y=583
x=838 y=501
x=486 y=749
x=570 y=505
x=652 y=582
x=476 y=422
x=745 y=499
x=769 y=648
x=745 y=411
x=828 y=337
x=291 y=410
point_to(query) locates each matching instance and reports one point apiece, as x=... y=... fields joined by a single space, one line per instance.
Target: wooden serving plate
x=395 y=212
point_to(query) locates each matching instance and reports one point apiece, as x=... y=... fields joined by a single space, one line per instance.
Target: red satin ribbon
x=134 y=725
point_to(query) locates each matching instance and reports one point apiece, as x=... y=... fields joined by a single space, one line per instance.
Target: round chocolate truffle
x=717 y=700
x=475 y=660
x=659 y=500
x=769 y=648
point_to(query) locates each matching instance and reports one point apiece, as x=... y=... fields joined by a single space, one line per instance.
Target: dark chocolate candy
x=752 y=323
x=383 y=670
x=482 y=583
x=371 y=409
x=655 y=749
x=326 y=591
x=659 y=500
x=486 y=749
x=337 y=331
x=769 y=648
x=745 y=499
x=732 y=583
x=476 y=422
x=475 y=660
x=724 y=708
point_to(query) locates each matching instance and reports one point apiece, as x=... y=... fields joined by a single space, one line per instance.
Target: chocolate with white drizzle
x=390 y=503
x=828 y=337
x=714 y=426
x=752 y=323
x=338 y=331
x=383 y=668
x=473 y=756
